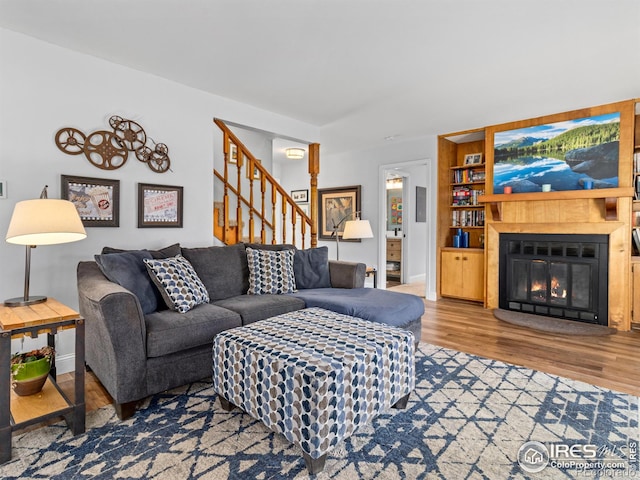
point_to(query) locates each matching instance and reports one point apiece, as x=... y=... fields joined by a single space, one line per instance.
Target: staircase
x=254 y=207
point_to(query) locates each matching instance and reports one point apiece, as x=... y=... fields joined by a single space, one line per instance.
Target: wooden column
x=314 y=170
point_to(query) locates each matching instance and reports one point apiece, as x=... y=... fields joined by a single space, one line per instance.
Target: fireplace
x=564 y=276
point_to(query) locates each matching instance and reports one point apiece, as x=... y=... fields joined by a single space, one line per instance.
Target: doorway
x=411 y=235
x=395 y=184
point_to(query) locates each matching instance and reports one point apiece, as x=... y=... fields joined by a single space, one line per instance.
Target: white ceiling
x=363 y=70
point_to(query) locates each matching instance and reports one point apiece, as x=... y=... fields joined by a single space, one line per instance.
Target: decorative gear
x=129 y=132
x=70 y=140
x=105 y=150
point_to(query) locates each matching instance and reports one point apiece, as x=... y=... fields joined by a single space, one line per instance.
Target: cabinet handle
x=457 y=258
x=464 y=258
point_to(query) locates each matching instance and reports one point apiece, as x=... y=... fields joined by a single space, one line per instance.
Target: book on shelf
x=635 y=233
x=463 y=196
x=467 y=218
x=468 y=176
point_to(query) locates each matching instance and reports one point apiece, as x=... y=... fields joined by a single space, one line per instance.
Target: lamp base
x=21 y=302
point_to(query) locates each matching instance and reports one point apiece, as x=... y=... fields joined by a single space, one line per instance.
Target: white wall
x=44 y=88
x=362 y=168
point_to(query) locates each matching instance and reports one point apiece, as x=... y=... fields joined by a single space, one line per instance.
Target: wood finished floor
x=611 y=361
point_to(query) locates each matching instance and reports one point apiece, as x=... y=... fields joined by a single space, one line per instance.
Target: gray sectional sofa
x=137 y=346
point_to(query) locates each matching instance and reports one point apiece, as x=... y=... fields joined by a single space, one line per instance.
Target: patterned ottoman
x=314 y=375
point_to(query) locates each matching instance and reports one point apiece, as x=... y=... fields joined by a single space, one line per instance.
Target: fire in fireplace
x=564 y=276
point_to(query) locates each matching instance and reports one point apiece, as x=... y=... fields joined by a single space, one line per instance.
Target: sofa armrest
x=115 y=334
x=346 y=274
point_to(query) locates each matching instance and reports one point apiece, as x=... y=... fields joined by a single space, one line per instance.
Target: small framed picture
x=3 y=189
x=233 y=153
x=96 y=199
x=300 y=196
x=256 y=172
x=473 y=159
x=159 y=206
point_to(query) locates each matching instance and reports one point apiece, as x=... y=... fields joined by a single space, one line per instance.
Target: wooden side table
x=18 y=412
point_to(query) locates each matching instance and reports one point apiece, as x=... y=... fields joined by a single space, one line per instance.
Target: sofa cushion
x=170 y=251
x=178 y=282
x=270 y=271
x=198 y=326
x=223 y=270
x=127 y=269
x=258 y=307
x=311 y=268
x=383 y=306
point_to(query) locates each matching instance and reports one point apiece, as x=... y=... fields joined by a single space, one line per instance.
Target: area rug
x=467 y=419
x=550 y=324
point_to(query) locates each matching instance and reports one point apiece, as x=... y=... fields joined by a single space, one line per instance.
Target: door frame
x=408 y=208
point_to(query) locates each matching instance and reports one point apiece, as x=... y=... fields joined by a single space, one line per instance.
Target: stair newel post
x=263 y=191
x=314 y=170
x=239 y=196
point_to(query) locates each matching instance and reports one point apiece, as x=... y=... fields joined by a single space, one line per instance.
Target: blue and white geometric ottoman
x=314 y=375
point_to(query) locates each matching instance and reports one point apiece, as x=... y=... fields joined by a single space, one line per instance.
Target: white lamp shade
x=357 y=229
x=45 y=221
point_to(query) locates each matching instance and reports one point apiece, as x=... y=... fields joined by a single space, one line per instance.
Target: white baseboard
x=65 y=363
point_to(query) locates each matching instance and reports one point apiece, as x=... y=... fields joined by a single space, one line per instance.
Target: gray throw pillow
x=311 y=268
x=223 y=270
x=128 y=270
x=166 y=252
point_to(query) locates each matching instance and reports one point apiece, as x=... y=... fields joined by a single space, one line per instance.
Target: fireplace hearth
x=564 y=276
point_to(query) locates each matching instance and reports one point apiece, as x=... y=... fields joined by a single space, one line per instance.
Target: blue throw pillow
x=128 y=270
x=311 y=268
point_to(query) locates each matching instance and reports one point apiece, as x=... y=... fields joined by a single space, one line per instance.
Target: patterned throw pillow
x=178 y=282
x=270 y=271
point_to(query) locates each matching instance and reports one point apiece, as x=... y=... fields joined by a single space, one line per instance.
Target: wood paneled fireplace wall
x=606 y=211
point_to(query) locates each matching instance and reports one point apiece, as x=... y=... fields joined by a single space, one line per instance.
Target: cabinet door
x=451 y=274
x=635 y=292
x=473 y=272
x=462 y=274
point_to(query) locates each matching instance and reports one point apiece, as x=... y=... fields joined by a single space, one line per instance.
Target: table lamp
x=41 y=221
x=353 y=229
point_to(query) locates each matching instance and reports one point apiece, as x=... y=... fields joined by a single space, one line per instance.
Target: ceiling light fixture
x=294 y=153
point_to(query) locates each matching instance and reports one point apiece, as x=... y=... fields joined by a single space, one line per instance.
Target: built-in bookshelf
x=467 y=184
x=461 y=181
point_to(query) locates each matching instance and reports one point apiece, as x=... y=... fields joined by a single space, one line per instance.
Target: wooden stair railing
x=295 y=225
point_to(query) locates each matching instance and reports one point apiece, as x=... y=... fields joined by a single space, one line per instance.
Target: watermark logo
x=533 y=457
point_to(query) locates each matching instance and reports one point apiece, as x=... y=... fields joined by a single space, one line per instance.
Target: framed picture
x=473 y=159
x=233 y=153
x=566 y=155
x=300 y=196
x=3 y=189
x=336 y=205
x=256 y=172
x=96 y=199
x=305 y=208
x=159 y=206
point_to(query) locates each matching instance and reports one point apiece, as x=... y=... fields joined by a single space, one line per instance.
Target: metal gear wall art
x=109 y=150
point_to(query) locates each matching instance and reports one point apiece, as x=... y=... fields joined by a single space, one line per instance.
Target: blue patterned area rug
x=467 y=419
